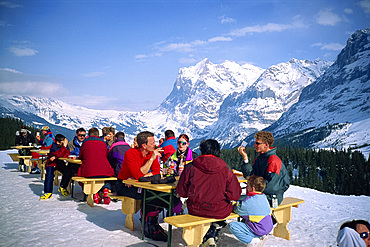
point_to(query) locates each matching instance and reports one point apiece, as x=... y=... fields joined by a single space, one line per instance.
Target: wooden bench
x=130 y=207
x=283 y=215
x=27 y=162
x=92 y=186
x=195 y=227
x=14 y=156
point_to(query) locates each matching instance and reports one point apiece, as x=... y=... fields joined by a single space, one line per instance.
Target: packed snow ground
x=26 y=221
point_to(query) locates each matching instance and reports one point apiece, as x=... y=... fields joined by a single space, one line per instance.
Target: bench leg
x=282 y=217
x=91 y=188
x=130 y=206
x=193 y=235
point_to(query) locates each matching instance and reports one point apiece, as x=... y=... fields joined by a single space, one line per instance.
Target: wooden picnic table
x=148 y=188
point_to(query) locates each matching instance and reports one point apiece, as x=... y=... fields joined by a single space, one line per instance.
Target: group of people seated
x=209 y=185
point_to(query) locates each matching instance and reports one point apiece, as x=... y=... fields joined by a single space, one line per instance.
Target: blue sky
x=125 y=55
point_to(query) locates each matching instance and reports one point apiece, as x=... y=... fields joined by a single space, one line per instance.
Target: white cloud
x=269 y=27
x=11 y=70
x=22 y=51
x=31 y=88
x=225 y=19
x=92 y=74
x=143 y=56
x=9 y=5
x=348 y=11
x=219 y=38
x=329 y=47
x=187 y=60
x=327 y=18
x=365 y=5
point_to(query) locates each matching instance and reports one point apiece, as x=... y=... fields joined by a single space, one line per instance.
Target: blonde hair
x=265 y=136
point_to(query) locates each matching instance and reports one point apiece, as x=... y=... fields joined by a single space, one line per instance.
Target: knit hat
x=46 y=128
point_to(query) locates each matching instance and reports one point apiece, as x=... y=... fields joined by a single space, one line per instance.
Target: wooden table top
x=69 y=160
x=41 y=151
x=148 y=185
x=21 y=147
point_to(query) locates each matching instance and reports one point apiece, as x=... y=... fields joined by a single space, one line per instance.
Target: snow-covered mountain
x=337 y=105
x=229 y=101
x=262 y=103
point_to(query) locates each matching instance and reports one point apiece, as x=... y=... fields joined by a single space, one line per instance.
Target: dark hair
x=93 y=132
x=120 y=135
x=353 y=224
x=168 y=133
x=142 y=137
x=106 y=130
x=59 y=138
x=210 y=146
x=258 y=183
x=80 y=130
x=185 y=136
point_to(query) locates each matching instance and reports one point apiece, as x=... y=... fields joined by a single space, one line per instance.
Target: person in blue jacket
x=75 y=144
x=255 y=209
x=169 y=145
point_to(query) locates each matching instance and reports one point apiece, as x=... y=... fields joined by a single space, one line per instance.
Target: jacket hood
x=209 y=164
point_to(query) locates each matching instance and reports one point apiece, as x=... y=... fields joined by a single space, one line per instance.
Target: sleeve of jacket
x=184 y=181
x=233 y=189
x=62 y=152
x=246 y=169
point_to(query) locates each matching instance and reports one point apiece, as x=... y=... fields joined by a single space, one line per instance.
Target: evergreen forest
x=342 y=172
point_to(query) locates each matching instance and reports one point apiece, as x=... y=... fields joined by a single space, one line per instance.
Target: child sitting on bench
x=255 y=209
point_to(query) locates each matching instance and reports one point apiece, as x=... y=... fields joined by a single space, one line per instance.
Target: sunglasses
x=364 y=235
x=181 y=143
x=259 y=143
x=81 y=135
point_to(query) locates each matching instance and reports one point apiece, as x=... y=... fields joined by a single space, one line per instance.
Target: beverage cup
x=37 y=133
x=30 y=144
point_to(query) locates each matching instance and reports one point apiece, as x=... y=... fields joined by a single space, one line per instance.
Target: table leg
x=143 y=216
x=170 y=213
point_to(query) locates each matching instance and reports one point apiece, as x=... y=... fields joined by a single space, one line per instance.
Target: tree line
x=9 y=126
x=343 y=172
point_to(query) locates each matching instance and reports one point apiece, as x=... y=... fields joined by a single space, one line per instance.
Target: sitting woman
x=183 y=155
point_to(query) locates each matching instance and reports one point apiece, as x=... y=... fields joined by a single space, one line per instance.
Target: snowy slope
x=26 y=221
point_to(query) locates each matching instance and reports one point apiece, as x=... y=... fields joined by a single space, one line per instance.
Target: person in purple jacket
x=117 y=152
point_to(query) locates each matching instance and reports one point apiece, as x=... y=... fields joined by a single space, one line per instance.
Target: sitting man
x=210 y=185
x=93 y=155
x=75 y=144
x=142 y=161
x=24 y=138
x=267 y=165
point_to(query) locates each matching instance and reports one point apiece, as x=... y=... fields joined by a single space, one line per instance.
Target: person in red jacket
x=57 y=150
x=139 y=162
x=93 y=154
x=210 y=186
